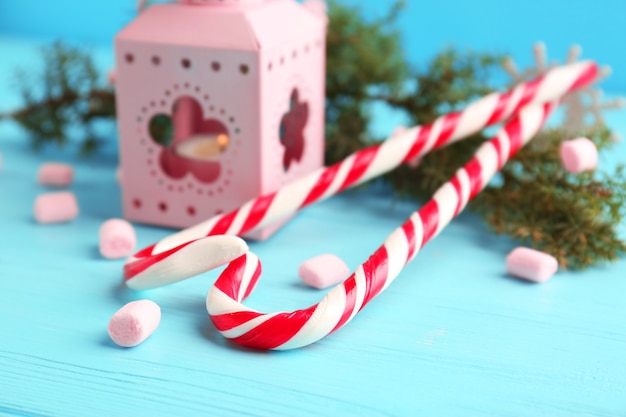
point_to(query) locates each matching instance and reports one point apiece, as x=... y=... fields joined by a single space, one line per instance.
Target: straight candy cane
x=179 y=256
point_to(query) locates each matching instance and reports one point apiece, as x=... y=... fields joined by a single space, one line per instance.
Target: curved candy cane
x=146 y=268
x=288 y=330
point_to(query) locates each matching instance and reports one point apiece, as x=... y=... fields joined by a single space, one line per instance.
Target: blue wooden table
x=453 y=335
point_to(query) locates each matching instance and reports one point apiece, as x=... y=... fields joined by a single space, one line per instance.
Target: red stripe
x=528 y=93
x=275 y=331
x=450 y=122
x=418 y=143
x=145 y=251
x=496 y=144
x=132 y=269
x=222 y=226
x=548 y=108
x=255 y=278
x=514 y=131
x=376 y=269
x=429 y=213
x=230 y=279
x=229 y=321
x=362 y=161
x=257 y=212
x=409 y=232
x=324 y=181
x=498 y=113
x=587 y=77
x=140 y=265
x=474 y=173
x=349 y=286
x=456 y=183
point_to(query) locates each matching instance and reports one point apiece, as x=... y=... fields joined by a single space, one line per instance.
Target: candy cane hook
x=289 y=330
x=169 y=260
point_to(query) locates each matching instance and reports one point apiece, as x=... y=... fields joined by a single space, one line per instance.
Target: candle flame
x=222 y=141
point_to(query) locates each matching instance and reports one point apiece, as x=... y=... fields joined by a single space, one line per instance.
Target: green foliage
x=65 y=97
x=573 y=217
x=539 y=204
x=366 y=64
x=362 y=57
x=447 y=84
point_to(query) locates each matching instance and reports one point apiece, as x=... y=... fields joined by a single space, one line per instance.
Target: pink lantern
x=218 y=102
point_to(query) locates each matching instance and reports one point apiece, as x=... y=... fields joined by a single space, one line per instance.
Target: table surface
x=453 y=335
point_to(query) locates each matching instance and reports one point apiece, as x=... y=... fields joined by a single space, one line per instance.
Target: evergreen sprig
x=363 y=60
x=536 y=202
x=65 y=99
x=571 y=216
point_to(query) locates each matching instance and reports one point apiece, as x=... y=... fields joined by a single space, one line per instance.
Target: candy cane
x=289 y=330
x=162 y=263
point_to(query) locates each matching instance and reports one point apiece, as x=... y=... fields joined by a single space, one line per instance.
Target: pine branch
x=66 y=96
x=537 y=203
x=573 y=217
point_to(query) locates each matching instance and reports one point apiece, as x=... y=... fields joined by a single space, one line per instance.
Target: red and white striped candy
x=288 y=330
x=144 y=269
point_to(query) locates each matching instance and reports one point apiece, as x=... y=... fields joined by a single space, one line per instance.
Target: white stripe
x=432 y=138
x=446 y=198
x=488 y=159
x=391 y=153
x=359 y=279
x=242 y=214
x=196 y=258
x=252 y=263
x=340 y=177
x=397 y=250
x=218 y=303
x=324 y=319
x=130 y=260
x=475 y=117
x=558 y=81
x=191 y=233
x=290 y=197
x=505 y=144
x=531 y=119
x=513 y=101
x=464 y=182
x=247 y=326
x=419 y=231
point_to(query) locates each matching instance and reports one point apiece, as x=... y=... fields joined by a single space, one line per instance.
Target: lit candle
x=204 y=147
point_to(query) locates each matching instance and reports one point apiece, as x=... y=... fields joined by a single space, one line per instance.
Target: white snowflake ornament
x=583 y=107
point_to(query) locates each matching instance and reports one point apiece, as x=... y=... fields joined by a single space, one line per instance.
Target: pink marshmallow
x=578 y=155
x=323 y=271
x=531 y=264
x=117 y=239
x=134 y=323
x=56 y=207
x=55 y=174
